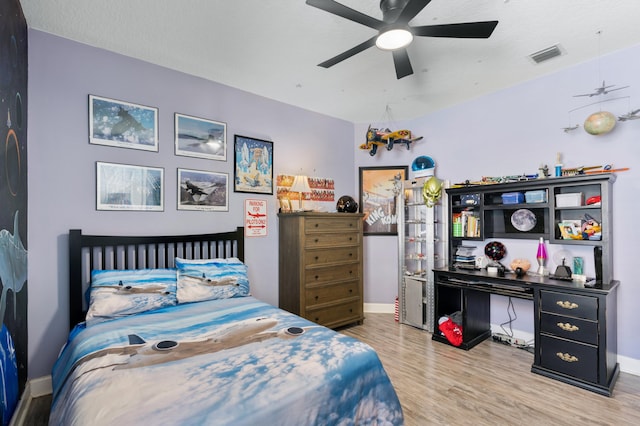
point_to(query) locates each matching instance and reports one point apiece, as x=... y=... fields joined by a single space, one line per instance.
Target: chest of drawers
x=320 y=266
x=576 y=338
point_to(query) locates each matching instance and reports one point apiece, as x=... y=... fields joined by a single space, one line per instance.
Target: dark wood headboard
x=98 y=252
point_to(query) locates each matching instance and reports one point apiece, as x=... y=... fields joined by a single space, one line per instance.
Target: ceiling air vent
x=546 y=54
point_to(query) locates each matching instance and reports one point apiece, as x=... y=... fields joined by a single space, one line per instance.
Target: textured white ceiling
x=272 y=47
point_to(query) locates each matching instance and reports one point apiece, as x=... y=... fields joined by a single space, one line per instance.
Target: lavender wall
x=62 y=74
x=508 y=132
x=516 y=130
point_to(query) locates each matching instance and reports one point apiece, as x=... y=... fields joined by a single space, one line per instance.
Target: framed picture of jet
x=253 y=170
x=203 y=191
x=127 y=187
x=197 y=137
x=378 y=189
x=122 y=124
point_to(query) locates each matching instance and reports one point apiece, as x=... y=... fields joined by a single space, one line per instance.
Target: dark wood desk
x=575 y=325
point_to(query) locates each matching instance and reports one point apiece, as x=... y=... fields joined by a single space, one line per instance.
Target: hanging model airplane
x=568 y=129
x=632 y=115
x=387 y=138
x=602 y=90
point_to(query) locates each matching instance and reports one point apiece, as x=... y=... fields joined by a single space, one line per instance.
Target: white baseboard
x=34 y=388
x=379 y=308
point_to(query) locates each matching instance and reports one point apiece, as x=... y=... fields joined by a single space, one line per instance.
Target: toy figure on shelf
x=432 y=191
x=385 y=137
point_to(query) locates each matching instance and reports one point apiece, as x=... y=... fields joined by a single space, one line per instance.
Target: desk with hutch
x=575 y=327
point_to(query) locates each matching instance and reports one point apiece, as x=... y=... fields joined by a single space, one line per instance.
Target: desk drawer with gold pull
x=570 y=328
x=569 y=304
x=567 y=357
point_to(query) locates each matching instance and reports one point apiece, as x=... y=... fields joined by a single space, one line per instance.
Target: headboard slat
x=114 y=252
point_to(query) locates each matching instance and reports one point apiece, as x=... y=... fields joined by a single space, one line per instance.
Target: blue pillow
x=207 y=279
x=117 y=293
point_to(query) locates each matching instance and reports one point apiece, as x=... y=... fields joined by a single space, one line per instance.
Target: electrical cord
x=511 y=319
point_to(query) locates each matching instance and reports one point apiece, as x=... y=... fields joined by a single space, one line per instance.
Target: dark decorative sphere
x=346 y=204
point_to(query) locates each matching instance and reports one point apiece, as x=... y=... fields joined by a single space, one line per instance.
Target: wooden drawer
x=335 y=224
x=324 y=256
x=570 y=328
x=322 y=275
x=569 y=304
x=565 y=356
x=332 y=293
x=332 y=240
x=336 y=314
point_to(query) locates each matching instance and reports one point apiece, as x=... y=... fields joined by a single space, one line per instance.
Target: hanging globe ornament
x=600 y=123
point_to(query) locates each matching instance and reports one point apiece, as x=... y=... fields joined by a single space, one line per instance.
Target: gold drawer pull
x=567 y=305
x=567 y=357
x=568 y=327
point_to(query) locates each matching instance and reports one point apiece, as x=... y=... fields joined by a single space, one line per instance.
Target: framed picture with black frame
x=253 y=165
x=200 y=138
x=379 y=187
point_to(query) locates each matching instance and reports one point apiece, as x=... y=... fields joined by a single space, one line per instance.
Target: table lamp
x=300 y=185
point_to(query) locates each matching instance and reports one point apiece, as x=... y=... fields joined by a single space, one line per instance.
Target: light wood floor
x=490 y=384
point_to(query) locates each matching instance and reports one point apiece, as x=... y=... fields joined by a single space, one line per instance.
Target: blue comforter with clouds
x=234 y=361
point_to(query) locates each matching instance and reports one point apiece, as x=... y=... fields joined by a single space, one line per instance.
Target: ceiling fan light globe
x=394 y=39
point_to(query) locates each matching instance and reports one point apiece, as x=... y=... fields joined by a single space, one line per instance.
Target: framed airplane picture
x=128 y=187
x=201 y=138
x=203 y=191
x=122 y=124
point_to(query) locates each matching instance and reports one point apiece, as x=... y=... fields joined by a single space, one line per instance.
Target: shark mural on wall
x=13 y=266
x=13 y=207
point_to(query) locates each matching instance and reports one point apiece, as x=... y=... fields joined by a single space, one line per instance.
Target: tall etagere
x=422 y=246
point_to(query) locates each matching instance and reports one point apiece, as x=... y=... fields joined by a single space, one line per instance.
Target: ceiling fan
x=394 y=31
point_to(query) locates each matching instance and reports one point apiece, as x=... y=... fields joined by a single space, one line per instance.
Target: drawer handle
x=317 y=319
x=317 y=277
x=317 y=225
x=568 y=327
x=350 y=254
x=567 y=357
x=567 y=305
x=350 y=238
x=350 y=290
x=317 y=240
x=316 y=257
x=317 y=297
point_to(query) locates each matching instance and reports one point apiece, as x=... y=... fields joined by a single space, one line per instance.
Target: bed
x=222 y=357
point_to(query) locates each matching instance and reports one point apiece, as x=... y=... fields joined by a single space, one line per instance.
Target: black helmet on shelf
x=346 y=204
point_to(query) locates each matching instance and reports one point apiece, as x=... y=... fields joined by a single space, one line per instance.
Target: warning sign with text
x=255 y=221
